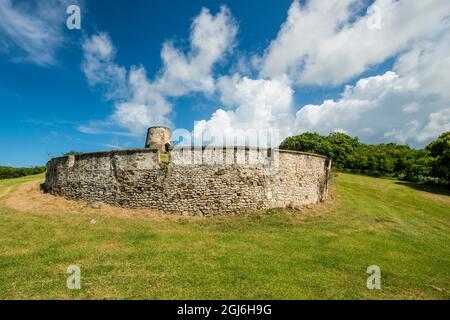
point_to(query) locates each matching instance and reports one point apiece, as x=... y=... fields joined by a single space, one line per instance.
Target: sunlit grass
x=320 y=253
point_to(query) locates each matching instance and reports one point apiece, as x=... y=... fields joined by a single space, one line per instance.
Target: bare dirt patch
x=5 y=192
x=28 y=198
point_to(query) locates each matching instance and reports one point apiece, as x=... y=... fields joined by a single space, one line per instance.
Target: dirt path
x=28 y=198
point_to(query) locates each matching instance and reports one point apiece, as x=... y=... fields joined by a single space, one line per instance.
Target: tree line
x=429 y=165
x=9 y=172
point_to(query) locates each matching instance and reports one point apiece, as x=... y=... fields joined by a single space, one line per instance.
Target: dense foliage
x=349 y=154
x=440 y=151
x=9 y=172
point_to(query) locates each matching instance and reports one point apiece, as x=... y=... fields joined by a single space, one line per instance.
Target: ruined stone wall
x=194 y=181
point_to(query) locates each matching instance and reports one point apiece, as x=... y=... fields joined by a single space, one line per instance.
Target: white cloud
x=212 y=37
x=438 y=123
x=137 y=104
x=32 y=32
x=100 y=68
x=408 y=105
x=140 y=102
x=320 y=44
x=260 y=111
x=145 y=108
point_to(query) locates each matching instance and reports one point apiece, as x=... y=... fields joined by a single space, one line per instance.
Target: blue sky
x=367 y=68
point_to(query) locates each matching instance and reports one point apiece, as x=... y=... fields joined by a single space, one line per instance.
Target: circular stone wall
x=192 y=180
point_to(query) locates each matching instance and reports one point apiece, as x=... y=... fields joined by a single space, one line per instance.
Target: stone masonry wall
x=195 y=181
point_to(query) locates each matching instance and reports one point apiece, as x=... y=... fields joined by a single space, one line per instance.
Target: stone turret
x=159 y=138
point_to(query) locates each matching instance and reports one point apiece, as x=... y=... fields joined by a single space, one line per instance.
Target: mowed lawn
x=321 y=252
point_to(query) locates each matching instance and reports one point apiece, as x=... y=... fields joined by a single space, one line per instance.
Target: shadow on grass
x=427 y=188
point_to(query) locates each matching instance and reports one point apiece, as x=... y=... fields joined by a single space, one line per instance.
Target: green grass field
x=320 y=253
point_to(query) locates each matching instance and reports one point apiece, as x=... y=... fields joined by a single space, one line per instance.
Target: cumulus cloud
x=322 y=42
x=137 y=103
x=32 y=32
x=145 y=108
x=326 y=42
x=100 y=68
x=212 y=36
x=140 y=102
x=259 y=113
x=410 y=104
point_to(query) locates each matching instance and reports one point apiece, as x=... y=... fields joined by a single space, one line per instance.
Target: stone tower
x=159 y=138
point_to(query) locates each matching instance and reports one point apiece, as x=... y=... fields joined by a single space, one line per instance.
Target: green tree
x=9 y=172
x=307 y=142
x=390 y=159
x=440 y=152
x=343 y=149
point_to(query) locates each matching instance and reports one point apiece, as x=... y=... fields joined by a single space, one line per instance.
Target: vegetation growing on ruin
x=72 y=153
x=321 y=252
x=430 y=165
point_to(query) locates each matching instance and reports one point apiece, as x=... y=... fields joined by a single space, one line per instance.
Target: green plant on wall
x=164 y=158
